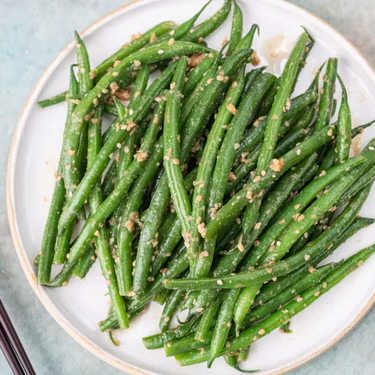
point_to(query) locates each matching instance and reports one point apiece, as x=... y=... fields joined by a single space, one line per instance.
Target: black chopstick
x=9 y=354
x=10 y=343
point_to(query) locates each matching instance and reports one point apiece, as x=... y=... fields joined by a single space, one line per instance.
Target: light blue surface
x=31 y=35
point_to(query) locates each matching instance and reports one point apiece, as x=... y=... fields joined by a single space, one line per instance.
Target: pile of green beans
x=213 y=190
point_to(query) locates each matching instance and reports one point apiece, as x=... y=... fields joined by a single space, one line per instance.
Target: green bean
x=75 y=158
x=232 y=361
x=189 y=301
x=203 y=332
x=109 y=180
x=272 y=203
x=56 y=99
x=334 y=106
x=273 y=288
x=289 y=293
x=243 y=355
x=162 y=297
x=169 y=242
x=182 y=30
x=236 y=253
x=126 y=151
x=115 y=197
x=180 y=346
x=85 y=82
x=360 y=129
x=266 y=103
x=190 y=101
x=249 y=161
x=280 y=103
x=236 y=32
x=86 y=262
x=58 y=198
x=297 y=206
x=290 y=141
x=170 y=308
x=111 y=323
x=210 y=25
x=119 y=55
x=301 y=242
x=130 y=217
x=111 y=109
x=157 y=207
x=112 y=127
x=207 y=164
x=196 y=121
x=152 y=54
x=189 y=343
x=172 y=150
x=63 y=241
x=197 y=73
x=247 y=40
x=166 y=247
x=223 y=324
x=325 y=104
x=344 y=127
x=248 y=192
x=329 y=159
x=165 y=226
x=310 y=215
x=250 y=78
x=283 y=267
x=82 y=161
x=101 y=239
x=283 y=315
x=228 y=238
x=228 y=150
x=134 y=46
x=63 y=244
x=305 y=120
x=362 y=181
x=142 y=128
x=309 y=45
x=175 y=267
x=256 y=132
x=157 y=341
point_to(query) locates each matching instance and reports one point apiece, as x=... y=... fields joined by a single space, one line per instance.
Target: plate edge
x=30 y=275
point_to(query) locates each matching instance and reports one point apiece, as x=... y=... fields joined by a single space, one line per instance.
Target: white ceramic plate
x=34 y=156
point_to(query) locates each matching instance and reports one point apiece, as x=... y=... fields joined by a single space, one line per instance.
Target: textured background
x=30 y=37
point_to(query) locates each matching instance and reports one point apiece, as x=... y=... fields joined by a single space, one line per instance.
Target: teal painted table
x=31 y=35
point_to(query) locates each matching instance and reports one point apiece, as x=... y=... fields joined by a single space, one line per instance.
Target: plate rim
x=26 y=265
